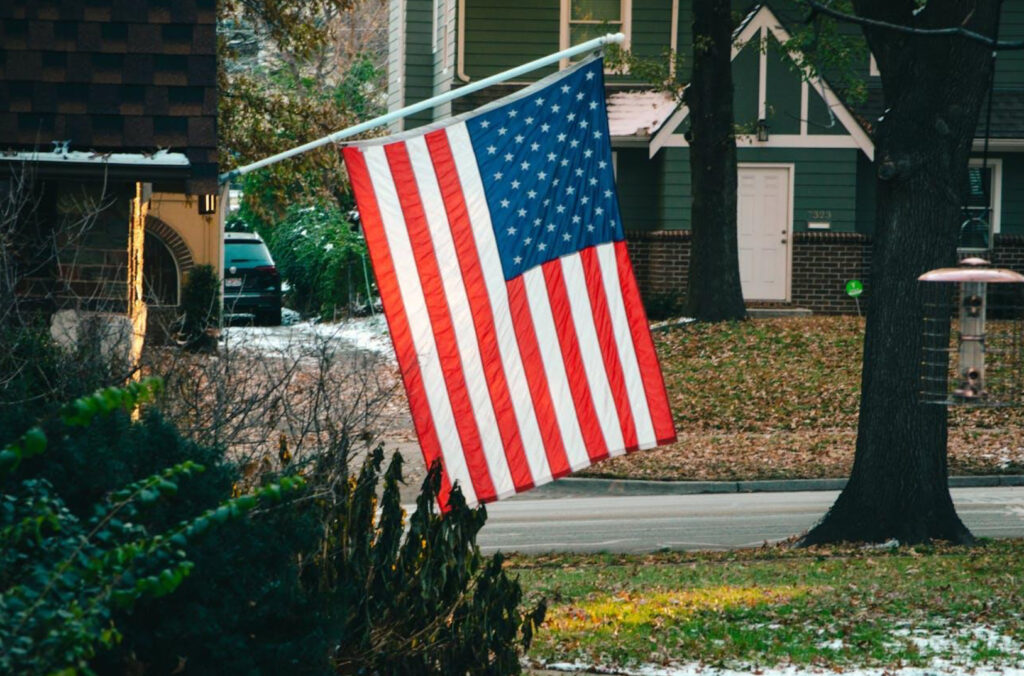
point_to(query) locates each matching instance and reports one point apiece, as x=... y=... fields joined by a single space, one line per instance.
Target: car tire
x=269 y=317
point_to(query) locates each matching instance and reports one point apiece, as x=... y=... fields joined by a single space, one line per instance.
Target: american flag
x=501 y=263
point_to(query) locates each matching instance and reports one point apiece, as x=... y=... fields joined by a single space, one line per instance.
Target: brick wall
x=822 y=264
x=661 y=262
x=1009 y=252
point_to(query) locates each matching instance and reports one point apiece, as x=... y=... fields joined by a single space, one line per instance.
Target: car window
x=247 y=254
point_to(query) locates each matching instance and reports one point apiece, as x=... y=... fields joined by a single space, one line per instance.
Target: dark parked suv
x=252 y=285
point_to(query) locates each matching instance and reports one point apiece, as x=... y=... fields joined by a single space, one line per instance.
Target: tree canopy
x=291 y=73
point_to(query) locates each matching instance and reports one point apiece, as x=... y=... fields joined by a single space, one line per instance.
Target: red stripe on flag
x=440 y=319
x=609 y=349
x=480 y=303
x=646 y=356
x=529 y=350
x=398 y=322
x=561 y=311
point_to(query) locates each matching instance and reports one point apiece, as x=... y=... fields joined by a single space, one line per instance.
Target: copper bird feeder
x=972 y=335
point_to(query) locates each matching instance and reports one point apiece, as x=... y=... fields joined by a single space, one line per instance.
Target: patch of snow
x=891 y=543
x=697 y=669
x=368 y=334
x=289 y=317
x=950 y=651
x=959 y=643
x=672 y=323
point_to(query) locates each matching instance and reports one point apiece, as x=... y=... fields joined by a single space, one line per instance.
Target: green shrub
x=427 y=602
x=664 y=305
x=323 y=258
x=320 y=585
x=200 y=308
x=37 y=375
x=63 y=575
x=242 y=610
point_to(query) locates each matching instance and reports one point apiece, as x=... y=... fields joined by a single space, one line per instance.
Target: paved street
x=724 y=521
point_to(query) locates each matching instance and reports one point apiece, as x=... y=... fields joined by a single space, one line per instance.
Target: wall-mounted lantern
x=207 y=204
x=762 y=130
x=972 y=338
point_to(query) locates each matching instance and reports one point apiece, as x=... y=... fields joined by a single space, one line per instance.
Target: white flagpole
x=387 y=118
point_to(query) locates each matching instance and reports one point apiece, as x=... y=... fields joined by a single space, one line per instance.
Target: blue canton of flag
x=546 y=166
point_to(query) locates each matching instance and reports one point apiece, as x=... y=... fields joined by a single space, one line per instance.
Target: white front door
x=763 y=223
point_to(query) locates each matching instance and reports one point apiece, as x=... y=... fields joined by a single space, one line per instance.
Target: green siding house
x=806 y=177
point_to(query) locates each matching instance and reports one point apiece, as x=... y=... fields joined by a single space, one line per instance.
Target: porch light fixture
x=762 y=130
x=972 y=335
x=207 y=204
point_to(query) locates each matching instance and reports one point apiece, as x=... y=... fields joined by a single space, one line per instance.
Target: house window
x=982 y=205
x=584 y=20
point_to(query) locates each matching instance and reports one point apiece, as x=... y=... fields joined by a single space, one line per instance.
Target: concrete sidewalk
x=581 y=487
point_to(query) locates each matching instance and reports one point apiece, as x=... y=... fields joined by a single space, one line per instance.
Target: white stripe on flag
x=490 y=264
x=590 y=352
x=419 y=320
x=624 y=342
x=554 y=368
x=462 y=316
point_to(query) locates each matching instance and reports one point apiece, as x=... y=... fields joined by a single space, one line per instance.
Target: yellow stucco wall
x=200 y=233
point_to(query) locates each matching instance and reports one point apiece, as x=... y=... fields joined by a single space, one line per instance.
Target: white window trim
x=626 y=13
x=446 y=36
x=873 y=67
x=460 y=43
x=996 y=197
x=433 y=26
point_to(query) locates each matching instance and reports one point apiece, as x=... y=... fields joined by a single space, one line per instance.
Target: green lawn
x=825 y=608
x=778 y=398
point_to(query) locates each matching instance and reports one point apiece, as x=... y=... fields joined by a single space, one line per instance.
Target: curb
x=570 y=487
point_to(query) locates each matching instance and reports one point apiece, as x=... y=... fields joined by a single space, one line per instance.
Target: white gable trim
x=665 y=136
x=831 y=141
x=758 y=26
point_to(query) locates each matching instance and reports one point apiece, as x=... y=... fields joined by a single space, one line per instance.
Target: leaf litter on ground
x=778 y=399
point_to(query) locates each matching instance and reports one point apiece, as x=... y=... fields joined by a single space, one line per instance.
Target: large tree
x=714 y=292
x=289 y=73
x=934 y=88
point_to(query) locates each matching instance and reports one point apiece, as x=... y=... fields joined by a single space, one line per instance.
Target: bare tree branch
x=999 y=45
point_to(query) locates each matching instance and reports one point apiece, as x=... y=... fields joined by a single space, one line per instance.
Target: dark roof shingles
x=126 y=76
x=1007 y=113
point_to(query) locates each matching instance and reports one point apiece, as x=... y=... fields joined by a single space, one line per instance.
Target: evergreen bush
x=242 y=609
x=425 y=602
x=319 y=585
x=62 y=575
x=200 y=308
x=322 y=255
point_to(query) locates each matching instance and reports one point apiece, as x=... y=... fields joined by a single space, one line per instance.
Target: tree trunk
x=714 y=277
x=934 y=89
